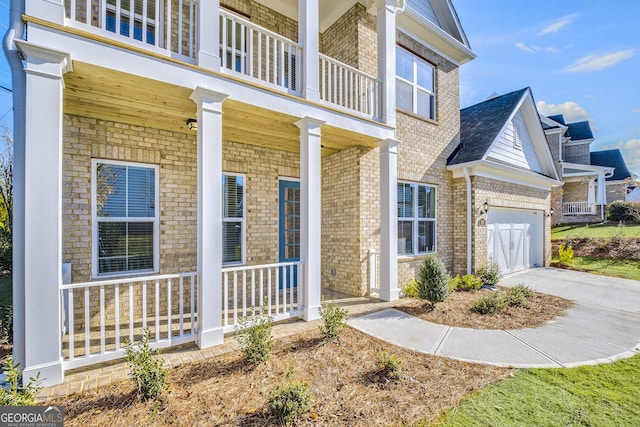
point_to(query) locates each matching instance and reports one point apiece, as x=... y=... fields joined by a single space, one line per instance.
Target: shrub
x=624 y=211
x=146 y=368
x=490 y=304
x=290 y=400
x=565 y=254
x=410 y=290
x=255 y=337
x=489 y=274
x=6 y=324
x=334 y=320
x=391 y=366
x=17 y=394
x=468 y=282
x=433 y=280
x=518 y=295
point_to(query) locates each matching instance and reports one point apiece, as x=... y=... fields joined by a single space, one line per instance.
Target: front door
x=289 y=235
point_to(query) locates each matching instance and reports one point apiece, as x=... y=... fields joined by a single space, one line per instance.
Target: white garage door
x=514 y=238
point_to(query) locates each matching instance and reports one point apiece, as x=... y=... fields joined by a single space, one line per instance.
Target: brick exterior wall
x=423 y=152
x=616 y=191
x=579 y=153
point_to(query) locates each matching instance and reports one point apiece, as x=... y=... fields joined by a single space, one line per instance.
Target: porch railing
x=374 y=268
x=253 y=51
x=273 y=289
x=578 y=208
x=169 y=25
x=99 y=317
x=349 y=87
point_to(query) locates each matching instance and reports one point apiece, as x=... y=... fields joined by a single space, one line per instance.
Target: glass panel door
x=289 y=234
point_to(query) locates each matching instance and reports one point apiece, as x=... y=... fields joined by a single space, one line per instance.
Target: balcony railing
x=578 y=208
x=170 y=27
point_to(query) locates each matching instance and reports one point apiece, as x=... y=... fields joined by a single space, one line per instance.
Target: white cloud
x=571 y=111
x=637 y=110
x=589 y=96
x=631 y=152
x=534 y=49
x=599 y=62
x=558 y=25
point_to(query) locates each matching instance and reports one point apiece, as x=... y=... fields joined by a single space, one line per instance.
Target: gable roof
x=578 y=131
x=558 y=118
x=614 y=159
x=481 y=124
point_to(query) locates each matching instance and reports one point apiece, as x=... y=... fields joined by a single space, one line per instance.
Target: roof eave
x=501 y=171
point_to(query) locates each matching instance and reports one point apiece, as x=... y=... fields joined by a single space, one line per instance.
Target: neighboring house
x=503 y=176
x=617 y=185
x=180 y=163
x=583 y=195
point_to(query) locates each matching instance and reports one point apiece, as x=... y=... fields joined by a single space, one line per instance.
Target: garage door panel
x=513 y=242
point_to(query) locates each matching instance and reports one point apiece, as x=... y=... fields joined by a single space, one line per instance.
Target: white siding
x=504 y=150
x=423 y=7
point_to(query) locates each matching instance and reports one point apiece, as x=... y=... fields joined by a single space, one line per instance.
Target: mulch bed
x=610 y=247
x=345 y=378
x=456 y=311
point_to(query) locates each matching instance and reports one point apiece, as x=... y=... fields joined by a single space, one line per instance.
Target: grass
x=602 y=395
x=597 y=230
x=624 y=268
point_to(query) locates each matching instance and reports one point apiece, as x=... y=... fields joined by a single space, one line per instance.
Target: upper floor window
x=416 y=218
x=232 y=219
x=125 y=225
x=415 y=88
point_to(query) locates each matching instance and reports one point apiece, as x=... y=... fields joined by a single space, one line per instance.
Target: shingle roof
x=558 y=118
x=579 y=130
x=614 y=159
x=480 y=125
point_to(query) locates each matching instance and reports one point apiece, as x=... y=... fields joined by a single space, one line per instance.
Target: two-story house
x=180 y=163
x=591 y=179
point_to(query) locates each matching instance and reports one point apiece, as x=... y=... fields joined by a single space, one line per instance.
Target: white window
x=416 y=219
x=125 y=218
x=415 y=84
x=233 y=219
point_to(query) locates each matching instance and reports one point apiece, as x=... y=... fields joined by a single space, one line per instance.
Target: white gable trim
x=501 y=172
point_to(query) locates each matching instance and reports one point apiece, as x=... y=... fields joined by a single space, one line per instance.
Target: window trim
x=242 y=221
x=415 y=87
x=416 y=221
x=94 y=220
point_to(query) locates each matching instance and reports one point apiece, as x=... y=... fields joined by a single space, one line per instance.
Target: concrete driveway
x=603 y=326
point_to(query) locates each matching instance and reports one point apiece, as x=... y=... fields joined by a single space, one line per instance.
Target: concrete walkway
x=603 y=326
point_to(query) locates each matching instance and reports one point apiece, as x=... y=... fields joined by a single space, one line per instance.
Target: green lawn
x=597 y=230
x=602 y=395
x=625 y=268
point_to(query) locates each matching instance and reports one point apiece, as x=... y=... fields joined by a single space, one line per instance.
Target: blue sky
x=581 y=58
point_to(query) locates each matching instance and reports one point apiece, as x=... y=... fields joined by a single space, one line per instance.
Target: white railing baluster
x=235 y=297
x=253 y=292
x=277 y=290
x=244 y=293
x=223 y=41
x=169 y=310
x=131 y=311
x=87 y=325
x=181 y=310
x=261 y=288
x=269 y=291
x=293 y=282
x=193 y=301
x=168 y=19
x=225 y=299
x=117 y=304
x=192 y=19
x=71 y=325
x=144 y=305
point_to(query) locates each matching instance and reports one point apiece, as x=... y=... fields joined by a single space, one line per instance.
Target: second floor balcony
x=181 y=29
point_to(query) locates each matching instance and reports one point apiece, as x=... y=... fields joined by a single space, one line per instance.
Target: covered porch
x=584 y=192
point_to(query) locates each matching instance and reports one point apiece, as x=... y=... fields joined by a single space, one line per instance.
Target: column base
x=51 y=374
x=311 y=313
x=210 y=338
x=390 y=294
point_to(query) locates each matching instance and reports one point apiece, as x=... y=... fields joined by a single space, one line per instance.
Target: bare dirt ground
x=456 y=311
x=610 y=247
x=345 y=378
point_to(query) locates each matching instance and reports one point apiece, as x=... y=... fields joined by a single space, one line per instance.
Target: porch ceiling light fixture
x=192 y=124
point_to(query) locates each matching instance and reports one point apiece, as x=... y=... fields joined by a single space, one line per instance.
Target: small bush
x=410 y=290
x=468 y=282
x=255 y=337
x=334 y=320
x=565 y=255
x=291 y=400
x=624 y=211
x=490 y=304
x=433 y=280
x=146 y=368
x=518 y=295
x=6 y=324
x=17 y=394
x=489 y=274
x=391 y=366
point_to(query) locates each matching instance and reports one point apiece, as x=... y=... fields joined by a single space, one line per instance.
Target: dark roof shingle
x=614 y=159
x=480 y=125
x=578 y=131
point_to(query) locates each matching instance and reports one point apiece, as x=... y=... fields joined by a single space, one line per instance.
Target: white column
x=40 y=212
x=386 y=17
x=310 y=214
x=601 y=195
x=48 y=10
x=389 y=220
x=209 y=39
x=209 y=216
x=308 y=38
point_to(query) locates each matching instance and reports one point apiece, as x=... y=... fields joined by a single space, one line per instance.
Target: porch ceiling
x=111 y=95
